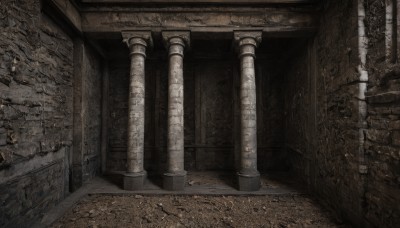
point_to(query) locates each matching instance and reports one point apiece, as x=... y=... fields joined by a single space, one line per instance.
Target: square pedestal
x=134 y=181
x=248 y=182
x=174 y=182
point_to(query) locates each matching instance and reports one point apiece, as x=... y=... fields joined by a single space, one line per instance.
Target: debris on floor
x=196 y=211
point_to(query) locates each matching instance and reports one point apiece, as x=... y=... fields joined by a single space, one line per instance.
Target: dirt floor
x=196 y=211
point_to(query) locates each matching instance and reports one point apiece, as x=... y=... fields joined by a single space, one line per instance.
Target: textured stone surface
x=382 y=146
x=91 y=110
x=247 y=43
x=118 y=116
x=28 y=196
x=272 y=19
x=322 y=110
x=176 y=45
x=175 y=176
x=348 y=158
x=35 y=112
x=135 y=176
x=137 y=44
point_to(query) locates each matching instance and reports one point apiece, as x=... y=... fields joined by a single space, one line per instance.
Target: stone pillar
x=135 y=175
x=248 y=175
x=175 y=177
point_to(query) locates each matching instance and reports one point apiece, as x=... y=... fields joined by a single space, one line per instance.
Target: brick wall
x=383 y=135
x=322 y=107
x=349 y=158
x=35 y=112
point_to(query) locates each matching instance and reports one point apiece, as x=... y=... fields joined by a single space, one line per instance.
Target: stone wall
x=91 y=110
x=346 y=150
x=322 y=103
x=29 y=196
x=35 y=112
x=383 y=135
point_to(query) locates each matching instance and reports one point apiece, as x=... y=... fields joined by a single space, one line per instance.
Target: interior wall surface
x=322 y=107
x=382 y=144
x=211 y=93
x=343 y=145
x=36 y=84
x=37 y=93
x=91 y=113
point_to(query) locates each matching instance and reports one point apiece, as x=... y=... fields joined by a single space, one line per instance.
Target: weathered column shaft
x=175 y=107
x=248 y=115
x=248 y=175
x=136 y=107
x=175 y=177
x=136 y=175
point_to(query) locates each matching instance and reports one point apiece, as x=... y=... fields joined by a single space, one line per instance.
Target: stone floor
x=209 y=200
x=204 y=183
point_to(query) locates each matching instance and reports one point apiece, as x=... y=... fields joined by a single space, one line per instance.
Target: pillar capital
x=246 y=42
x=247 y=37
x=137 y=41
x=176 y=37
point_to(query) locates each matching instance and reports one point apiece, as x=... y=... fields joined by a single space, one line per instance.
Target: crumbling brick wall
x=35 y=111
x=347 y=154
x=383 y=134
x=37 y=87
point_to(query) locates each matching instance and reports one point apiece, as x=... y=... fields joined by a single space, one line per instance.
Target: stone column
x=175 y=177
x=135 y=175
x=248 y=175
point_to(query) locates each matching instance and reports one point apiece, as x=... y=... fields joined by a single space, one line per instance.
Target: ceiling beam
x=269 y=20
x=201 y=1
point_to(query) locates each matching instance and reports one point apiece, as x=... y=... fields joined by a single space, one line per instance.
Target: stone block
x=382 y=98
x=134 y=181
x=379 y=136
x=396 y=138
x=174 y=182
x=248 y=182
x=3 y=137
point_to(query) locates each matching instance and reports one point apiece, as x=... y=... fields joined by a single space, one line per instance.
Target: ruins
x=134 y=89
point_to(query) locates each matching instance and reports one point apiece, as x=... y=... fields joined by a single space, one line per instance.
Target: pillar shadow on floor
x=155 y=179
x=115 y=178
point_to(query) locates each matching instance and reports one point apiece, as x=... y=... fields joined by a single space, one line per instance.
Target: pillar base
x=174 y=181
x=248 y=182
x=134 y=181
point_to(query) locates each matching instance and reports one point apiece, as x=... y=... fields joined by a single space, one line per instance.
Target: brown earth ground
x=196 y=211
x=287 y=206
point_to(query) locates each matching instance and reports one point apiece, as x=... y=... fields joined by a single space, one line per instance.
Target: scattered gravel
x=196 y=211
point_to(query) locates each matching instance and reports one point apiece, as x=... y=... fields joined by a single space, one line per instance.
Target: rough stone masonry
x=310 y=87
